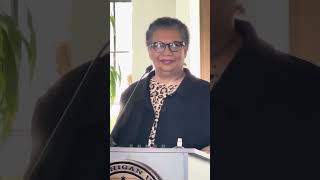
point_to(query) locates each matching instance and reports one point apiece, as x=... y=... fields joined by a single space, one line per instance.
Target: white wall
x=89 y=27
x=143 y=13
x=5 y=6
x=188 y=11
x=271 y=20
x=146 y=11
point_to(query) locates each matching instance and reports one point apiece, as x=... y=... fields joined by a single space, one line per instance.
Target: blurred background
x=291 y=26
x=62 y=35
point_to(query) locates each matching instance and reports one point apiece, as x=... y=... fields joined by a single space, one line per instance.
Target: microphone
x=54 y=132
x=148 y=69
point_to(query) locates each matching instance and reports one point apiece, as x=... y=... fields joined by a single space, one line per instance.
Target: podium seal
x=131 y=170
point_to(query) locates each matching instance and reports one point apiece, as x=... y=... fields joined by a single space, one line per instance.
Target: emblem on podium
x=131 y=170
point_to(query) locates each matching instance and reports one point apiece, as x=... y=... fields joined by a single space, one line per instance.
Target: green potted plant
x=115 y=73
x=11 y=43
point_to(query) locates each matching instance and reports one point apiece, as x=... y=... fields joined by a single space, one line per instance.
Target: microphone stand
x=148 y=69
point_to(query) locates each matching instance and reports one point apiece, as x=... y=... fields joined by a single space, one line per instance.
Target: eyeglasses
x=159 y=46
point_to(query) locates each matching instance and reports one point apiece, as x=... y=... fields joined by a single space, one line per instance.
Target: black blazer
x=79 y=149
x=266 y=114
x=185 y=114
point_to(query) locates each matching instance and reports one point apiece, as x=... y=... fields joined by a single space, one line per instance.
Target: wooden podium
x=164 y=163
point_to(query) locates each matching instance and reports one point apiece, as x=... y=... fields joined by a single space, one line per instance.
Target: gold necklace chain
x=173 y=81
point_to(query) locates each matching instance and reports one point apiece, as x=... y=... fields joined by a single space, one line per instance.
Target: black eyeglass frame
x=178 y=44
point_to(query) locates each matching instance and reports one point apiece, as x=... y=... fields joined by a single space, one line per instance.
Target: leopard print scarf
x=158 y=93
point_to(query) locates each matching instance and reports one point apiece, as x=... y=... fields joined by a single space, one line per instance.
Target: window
x=120 y=48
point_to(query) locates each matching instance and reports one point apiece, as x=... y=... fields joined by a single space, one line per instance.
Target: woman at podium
x=169 y=103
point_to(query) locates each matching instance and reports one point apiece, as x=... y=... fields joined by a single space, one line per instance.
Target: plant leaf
x=9 y=103
x=119 y=74
x=32 y=50
x=14 y=35
x=112 y=85
x=6 y=125
x=11 y=40
x=2 y=85
x=10 y=74
x=113 y=23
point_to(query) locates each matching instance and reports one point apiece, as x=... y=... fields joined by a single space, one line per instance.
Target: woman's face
x=167 y=61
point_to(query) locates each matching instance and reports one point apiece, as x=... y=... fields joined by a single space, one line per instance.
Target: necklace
x=174 y=81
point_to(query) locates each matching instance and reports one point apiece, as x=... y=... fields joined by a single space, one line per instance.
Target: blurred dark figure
x=266 y=104
x=79 y=148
